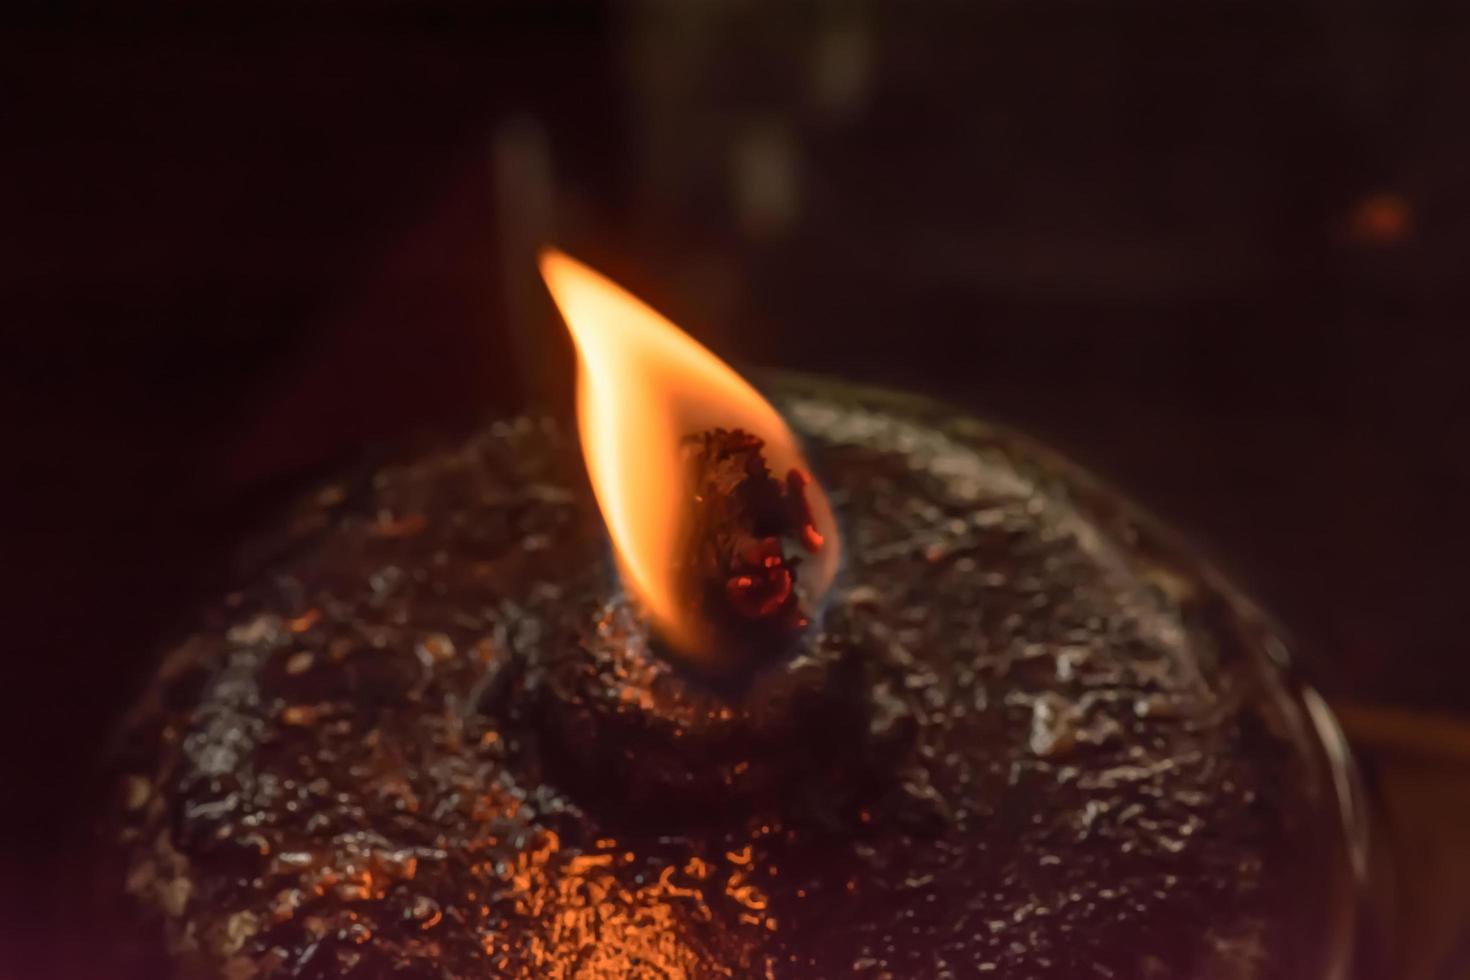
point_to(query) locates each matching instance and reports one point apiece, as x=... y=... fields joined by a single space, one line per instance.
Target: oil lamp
x=815 y=682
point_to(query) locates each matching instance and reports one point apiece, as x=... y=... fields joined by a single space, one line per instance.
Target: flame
x=642 y=386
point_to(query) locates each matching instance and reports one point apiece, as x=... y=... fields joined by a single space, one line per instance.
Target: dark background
x=1214 y=250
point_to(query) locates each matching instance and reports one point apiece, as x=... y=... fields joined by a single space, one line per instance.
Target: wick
x=744 y=533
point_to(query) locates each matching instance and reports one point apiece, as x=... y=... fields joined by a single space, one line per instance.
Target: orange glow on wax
x=642 y=386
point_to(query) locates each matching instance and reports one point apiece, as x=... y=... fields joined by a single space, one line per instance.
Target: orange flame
x=642 y=386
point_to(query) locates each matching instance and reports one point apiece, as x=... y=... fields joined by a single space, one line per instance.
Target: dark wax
x=1027 y=737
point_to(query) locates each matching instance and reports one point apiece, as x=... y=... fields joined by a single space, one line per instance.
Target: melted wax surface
x=1071 y=758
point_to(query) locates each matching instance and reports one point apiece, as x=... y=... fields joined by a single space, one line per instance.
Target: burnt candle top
x=1055 y=746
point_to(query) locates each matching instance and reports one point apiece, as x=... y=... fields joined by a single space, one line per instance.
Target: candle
x=1015 y=730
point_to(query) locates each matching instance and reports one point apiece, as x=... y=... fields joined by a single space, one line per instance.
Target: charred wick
x=743 y=532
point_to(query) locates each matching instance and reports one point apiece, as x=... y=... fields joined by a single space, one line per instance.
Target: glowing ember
x=643 y=388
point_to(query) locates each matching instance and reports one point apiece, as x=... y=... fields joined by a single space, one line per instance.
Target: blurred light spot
x=765 y=189
x=841 y=63
x=1381 y=219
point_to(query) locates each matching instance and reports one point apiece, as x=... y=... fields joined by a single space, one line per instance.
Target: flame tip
x=548 y=256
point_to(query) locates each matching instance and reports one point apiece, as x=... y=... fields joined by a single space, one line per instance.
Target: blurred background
x=1214 y=251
